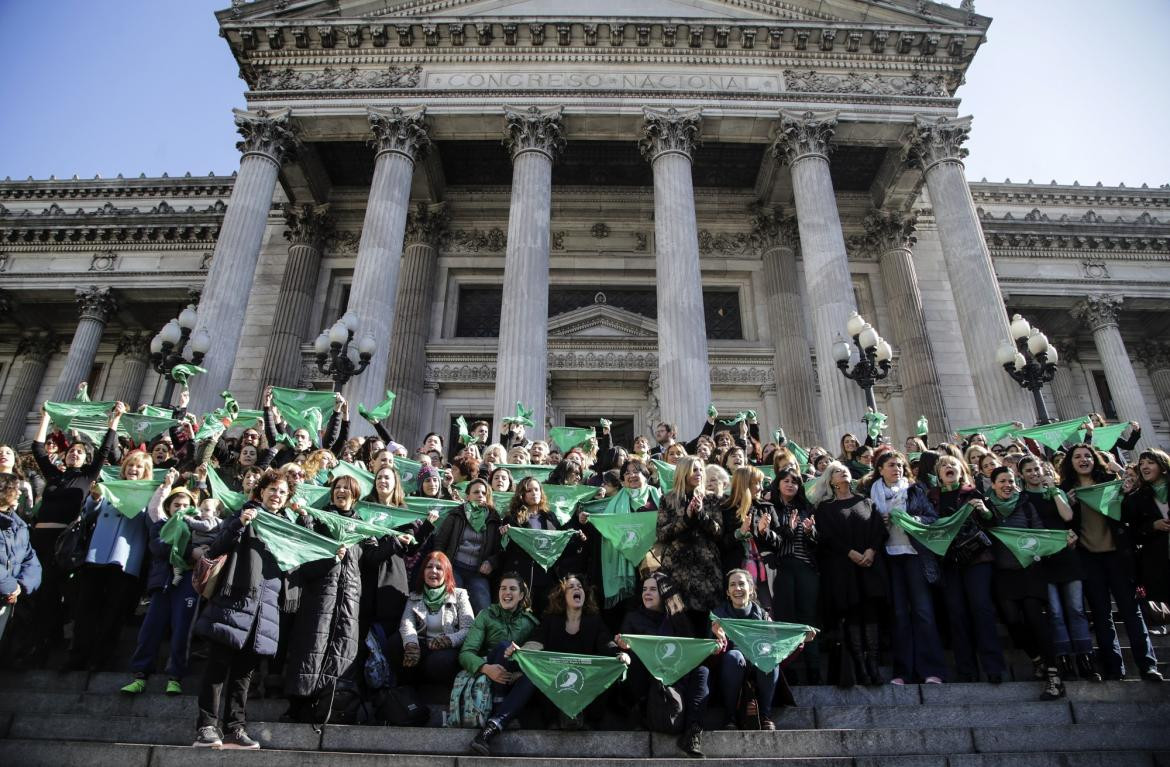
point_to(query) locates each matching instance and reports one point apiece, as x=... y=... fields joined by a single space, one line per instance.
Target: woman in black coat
x=474 y=554
x=1145 y=510
x=751 y=531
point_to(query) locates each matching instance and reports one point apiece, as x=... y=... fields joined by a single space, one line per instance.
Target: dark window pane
x=479 y=312
x=1107 y=408
x=722 y=314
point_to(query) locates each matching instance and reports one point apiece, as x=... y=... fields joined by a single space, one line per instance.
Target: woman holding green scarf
x=1021 y=592
x=529 y=509
x=470 y=537
x=496 y=634
x=1147 y=512
x=434 y=624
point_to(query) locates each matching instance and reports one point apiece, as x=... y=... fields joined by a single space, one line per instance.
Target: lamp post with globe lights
x=166 y=348
x=1031 y=362
x=337 y=357
x=874 y=356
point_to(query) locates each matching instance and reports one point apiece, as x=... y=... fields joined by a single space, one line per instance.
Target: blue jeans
x=733 y=668
x=479 y=587
x=171 y=607
x=1066 y=612
x=1105 y=575
x=973 y=620
x=917 y=649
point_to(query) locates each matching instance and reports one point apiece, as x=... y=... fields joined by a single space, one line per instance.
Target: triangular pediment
x=601 y=321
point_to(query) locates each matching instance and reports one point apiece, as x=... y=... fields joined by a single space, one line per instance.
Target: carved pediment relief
x=601 y=321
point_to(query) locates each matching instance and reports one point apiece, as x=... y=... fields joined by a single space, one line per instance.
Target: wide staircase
x=79 y=719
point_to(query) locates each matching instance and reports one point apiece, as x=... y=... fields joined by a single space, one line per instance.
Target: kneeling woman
x=434 y=624
x=571 y=624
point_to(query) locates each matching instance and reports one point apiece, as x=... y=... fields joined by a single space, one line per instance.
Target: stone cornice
x=71 y=189
x=1064 y=194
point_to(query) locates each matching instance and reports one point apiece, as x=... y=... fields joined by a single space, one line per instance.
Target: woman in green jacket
x=497 y=632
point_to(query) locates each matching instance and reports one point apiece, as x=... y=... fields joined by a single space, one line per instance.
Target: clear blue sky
x=1067 y=90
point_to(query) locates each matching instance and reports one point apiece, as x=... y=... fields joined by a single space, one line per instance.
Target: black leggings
x=1027 y=624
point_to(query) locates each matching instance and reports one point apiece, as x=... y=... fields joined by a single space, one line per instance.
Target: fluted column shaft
x=795 y=378
x=134 y=353
x=425 y=228
x=34 y=351
x=307 y=224
x=1156 y=355
x=534 y=138
x=399 y=138
x=668 y=140
x=803 y=142
x=936 y=147
x=1099 y=313
x=96 y=307
x=1063 y=396
x=267 y=142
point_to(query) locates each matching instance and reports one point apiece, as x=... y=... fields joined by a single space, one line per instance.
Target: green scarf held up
x=568 y=437
x=1160 y=491
x=348 y=530
x=544 y=546
x=129 y=496
x=231 y=500
x=303 y=409
x=407 y=473
x=1028 y=545
x=669 y=659
x=1105 y=498
x=631 y=535
x=1104 y=437
x=424 y=506
x=364 y=478
x=765 y=643
x=381 y=411
x=289 y=544
x=937 y=536
x=1049 y=493
x=1052 y=435
x=800 y=454
x=144 y=428
x=387 y=516
x=571 y=682
x=563 y=499
x=993 y=432
x=523 y=416
x=521 y=471
x=665 y=474
x=923 y=426
x=434 y=597
x=183 y=371
x=177 y=535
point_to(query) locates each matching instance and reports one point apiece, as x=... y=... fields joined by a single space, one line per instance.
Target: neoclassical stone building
x=600 y=209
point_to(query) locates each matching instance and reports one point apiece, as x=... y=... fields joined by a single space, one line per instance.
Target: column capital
x=803 y=134
x=426 y=223
x=135 y=344
x=669 y=131
x=933 y=140
x=307 y=224
x=267 y=133
x=38 y=346
x=97 y=303
x=1099 y=311
x=1155 y=355
x=534 y=129
x=887 y=230
x=398 y=130
x=773 y=228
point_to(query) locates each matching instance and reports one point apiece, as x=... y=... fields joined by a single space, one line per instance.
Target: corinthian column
x=891 y=236
x=1099 y=314
x=669 y=137
x=96 y=307
x=400 y=138
x=1156 y=356
x=134 y=351
x=426 y=227
x=777 y=238
x=534 y=138
x=935 y=146
x=307 y=227
x=1065 y=398
x=802 y=141
x=34 y=350
x=268 y=142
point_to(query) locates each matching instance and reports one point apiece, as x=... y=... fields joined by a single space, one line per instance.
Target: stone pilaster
x=936 y=146
x=400 y=138
x=891 y=237
x=1063 y=394
x=669 y=137
x=134 y=353
x=426 y=228
x=97 y=304
x=1156 y=357
x=34 y=351
x=534 y=137
x=1099 y=314
x=777 y=238
x=267 y=142
x=308 y=225
x=802 y=141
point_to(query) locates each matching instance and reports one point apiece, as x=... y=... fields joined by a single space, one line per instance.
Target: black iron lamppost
x=874 y=355
x=337 y=357
x=166 y=348
x=1031 y=362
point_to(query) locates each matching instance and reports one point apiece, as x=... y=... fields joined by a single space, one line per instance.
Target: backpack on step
x=470 y=705
x=377 y=669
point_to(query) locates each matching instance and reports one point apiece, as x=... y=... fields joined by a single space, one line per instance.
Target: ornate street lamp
x=1031 y=362
x=166 y=348
x=336 y=357
x=874 y=355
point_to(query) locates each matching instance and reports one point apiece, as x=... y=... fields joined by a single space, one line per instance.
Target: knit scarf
x=887 y=498
x=435 y=597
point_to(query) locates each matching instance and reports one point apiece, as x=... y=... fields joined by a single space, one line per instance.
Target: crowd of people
x=361 y=572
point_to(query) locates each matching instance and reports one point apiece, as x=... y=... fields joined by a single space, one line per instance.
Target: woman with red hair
x=434 y=624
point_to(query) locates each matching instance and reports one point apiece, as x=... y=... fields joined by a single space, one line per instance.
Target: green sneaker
x=136 y=687
x=173 y=687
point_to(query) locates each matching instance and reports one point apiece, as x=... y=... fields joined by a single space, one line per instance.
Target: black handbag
x=969 y=544
x=72 y=544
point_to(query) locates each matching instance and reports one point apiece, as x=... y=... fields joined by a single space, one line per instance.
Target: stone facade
x=695 y=198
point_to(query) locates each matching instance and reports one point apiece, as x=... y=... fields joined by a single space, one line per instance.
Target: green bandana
x=230 y=499
x=83 y=392
x=570 y=681
x=303 y=409
x=291 y=545
x=544 y=546
x=157 y=412
x=177 y=535
x=1029 y=545
x=476 y=515
x=768 y=472
x=465 y=437
x=1052 y=435
x=407 y=473
x=144 y=428
x=800 y=454
x=711 y=411
x=875 y=424
x=665 y=474
x=626 y=501
x=765 y=643
x=567 y=437
x=181 y=372
x=938 y=536
x=89 y=419
x=1003 y=508
x=1160 y=491
x=423 y=506
x=669 y=659
x=129 y=496
x=434 y=598
x=114 y=473
x=1104 y=498
x=923 y=426
x=563 y=499
x=523 y=416
x=808 y=485
x=387 y=516
x=596 y=506
x=1104 y=437
x=993 y=432
x=309 y=495
x=521 y=471
x=364 y=478
x=380 y=411
x=631 y=535
x=348 y=530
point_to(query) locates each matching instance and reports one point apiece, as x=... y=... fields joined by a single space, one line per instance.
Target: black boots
x=482 y=742
x=871 y=654
x=690 y=742
x=855 y=637
x=1066 y=666
x=1086 y=668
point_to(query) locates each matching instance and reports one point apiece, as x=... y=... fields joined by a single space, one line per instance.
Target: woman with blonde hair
x=751 y=534
x=690 y=525
x=318 y=465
